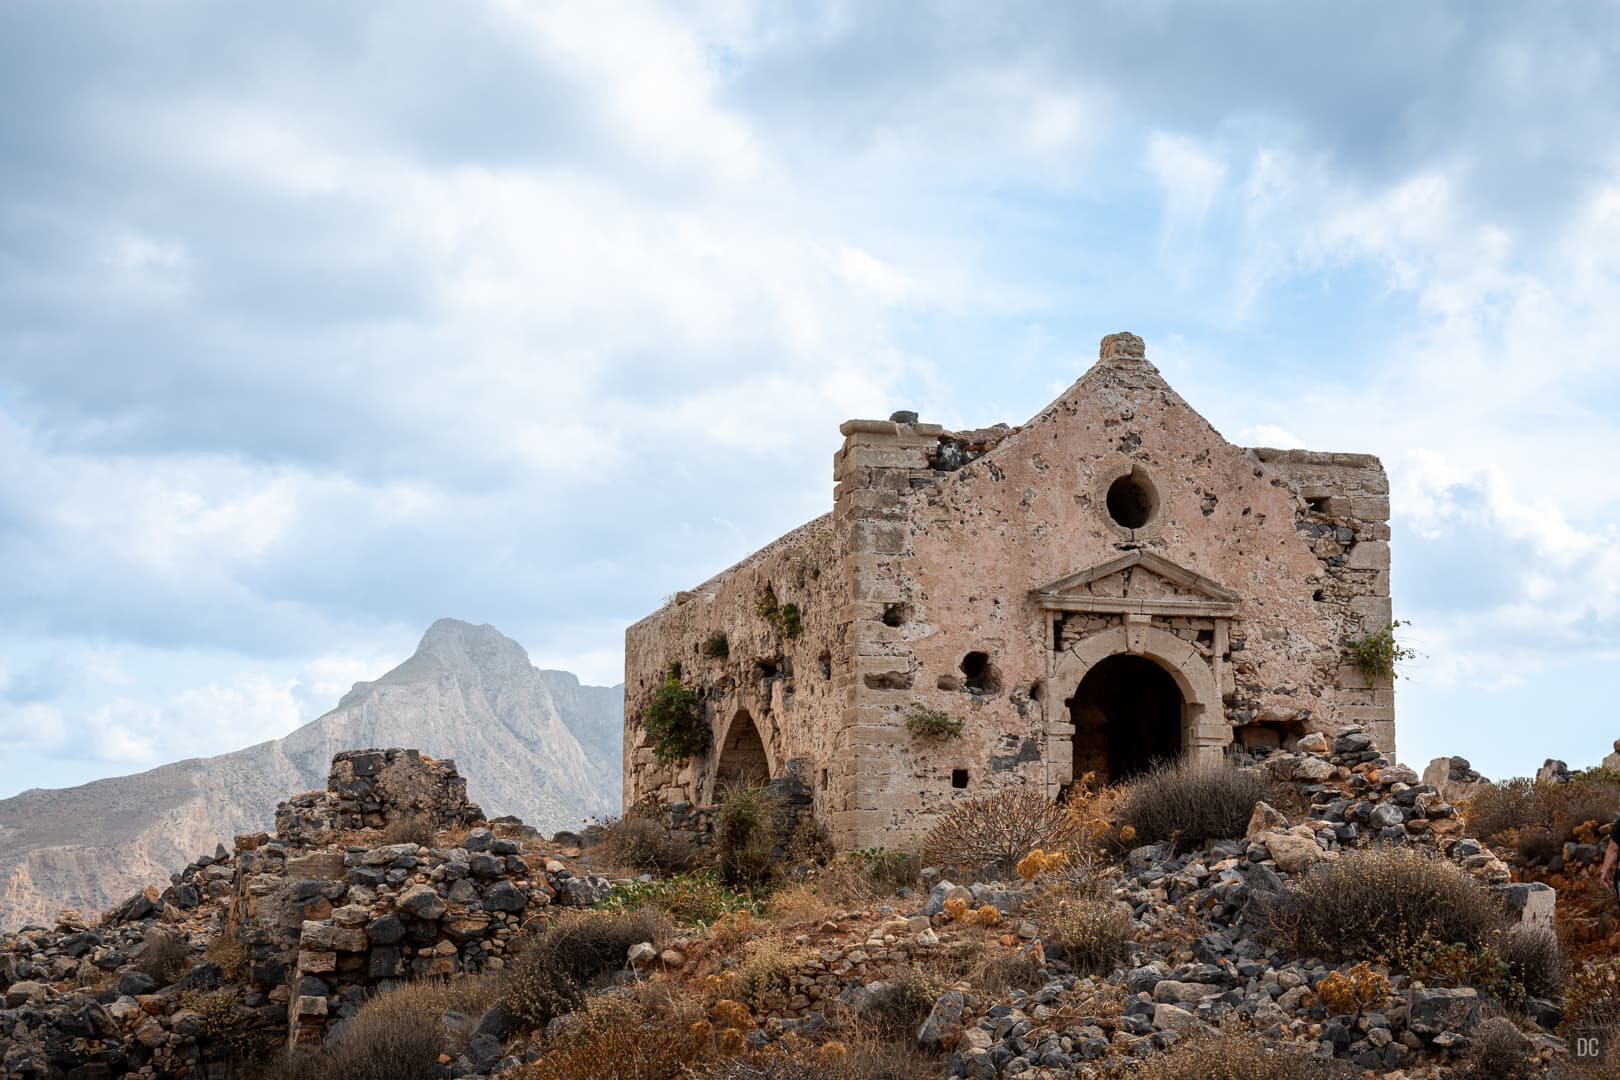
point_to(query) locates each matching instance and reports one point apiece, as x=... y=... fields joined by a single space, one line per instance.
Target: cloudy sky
x=319 y=322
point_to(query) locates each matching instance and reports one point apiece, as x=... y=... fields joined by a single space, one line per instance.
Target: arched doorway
x=742 y=757
x=1127 y=714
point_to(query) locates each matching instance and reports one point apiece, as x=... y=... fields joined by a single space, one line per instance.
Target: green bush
x=1384 y=902
x=696 y=899
x=717 y=647
x=555 y=969
x=744 y=837
x=926 y=723
x=1193 y=801
x=673 y=718
x=1377 y=653
x=1456 y=965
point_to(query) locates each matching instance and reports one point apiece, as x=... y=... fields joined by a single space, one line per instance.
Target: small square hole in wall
x=823 y=779
x=958 y=778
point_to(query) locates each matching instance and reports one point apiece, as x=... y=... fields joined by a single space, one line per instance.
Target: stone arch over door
x=1204 y=730
x=741 y=756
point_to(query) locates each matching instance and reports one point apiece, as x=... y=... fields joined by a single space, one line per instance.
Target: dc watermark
x=1589 y=1044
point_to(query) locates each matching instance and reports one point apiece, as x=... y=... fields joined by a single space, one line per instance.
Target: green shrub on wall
x=674 y=720
x=1377 y=653
x=785 y=618
x=926 y=723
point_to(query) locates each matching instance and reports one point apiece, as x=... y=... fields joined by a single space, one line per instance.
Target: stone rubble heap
x=321 y=918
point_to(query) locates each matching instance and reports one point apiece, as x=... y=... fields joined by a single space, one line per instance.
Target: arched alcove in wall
x=742 y=758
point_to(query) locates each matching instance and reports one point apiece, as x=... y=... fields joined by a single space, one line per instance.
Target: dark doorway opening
x=1126 y=715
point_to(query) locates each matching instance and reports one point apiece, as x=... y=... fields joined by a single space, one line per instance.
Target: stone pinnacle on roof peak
x=1122 y=346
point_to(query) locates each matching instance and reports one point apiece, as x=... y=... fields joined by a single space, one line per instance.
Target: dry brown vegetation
x=396 y=1035
x=995 y=831
x=164 y=955
x=1230 y=1056
x=1383 y=902
x=1191 y=801
x=409 y=830
x=555 y=969
x=1537 y=817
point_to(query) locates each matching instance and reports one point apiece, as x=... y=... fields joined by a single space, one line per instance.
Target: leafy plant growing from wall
x=1377 y=653
x=718 y=647
x=674 y=720
x=784 y=617
x=926 y=723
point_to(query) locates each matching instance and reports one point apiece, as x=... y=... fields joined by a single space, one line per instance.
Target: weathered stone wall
x=791 y=689
x=982 y=574
x=1343 y=515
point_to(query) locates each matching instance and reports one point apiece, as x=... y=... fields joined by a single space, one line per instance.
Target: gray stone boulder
x=1432 y=1011
x=421 y=901
x=942 y=1020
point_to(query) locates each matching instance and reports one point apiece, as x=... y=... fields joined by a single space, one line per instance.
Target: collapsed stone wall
x=326 y=921
x=371 y=789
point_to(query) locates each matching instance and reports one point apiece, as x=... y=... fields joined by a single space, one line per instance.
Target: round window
x=1132 y=500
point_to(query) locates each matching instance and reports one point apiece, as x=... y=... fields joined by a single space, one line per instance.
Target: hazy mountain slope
x=533 y=743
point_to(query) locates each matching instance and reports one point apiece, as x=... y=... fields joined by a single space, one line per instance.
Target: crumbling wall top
x=371 y=788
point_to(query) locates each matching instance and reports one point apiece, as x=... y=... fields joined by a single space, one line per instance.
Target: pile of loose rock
x=314 y=921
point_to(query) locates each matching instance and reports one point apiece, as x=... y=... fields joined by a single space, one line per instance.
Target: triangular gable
x=1184 y=591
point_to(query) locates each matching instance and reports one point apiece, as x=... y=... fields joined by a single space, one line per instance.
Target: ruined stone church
x=1109 y=585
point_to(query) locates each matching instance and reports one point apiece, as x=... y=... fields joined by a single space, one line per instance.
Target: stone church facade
x=1111 y=584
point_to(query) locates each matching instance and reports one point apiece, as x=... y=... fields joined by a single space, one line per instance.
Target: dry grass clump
x=1383 y=902
x=1079 y=915
x=640 y=842
x=1191 y=801
x=409 y=829
x=229 y=1028
x=744 y=837
x=997 y=973
x=898 y=1009
x=857 y=1054
x=767 y=975
x=1536 y=960
x=1228 y=1056
x=555 y=969
x=994 y=832
x=651 y=1031
x=230 y=955
x=396 y=1035
x=164 y=955
x=1499 y=1051
x=1541 y=814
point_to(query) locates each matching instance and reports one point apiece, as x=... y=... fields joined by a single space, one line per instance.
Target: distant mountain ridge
x=537 y=744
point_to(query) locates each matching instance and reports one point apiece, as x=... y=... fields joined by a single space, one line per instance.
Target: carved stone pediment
x=1138 y=582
